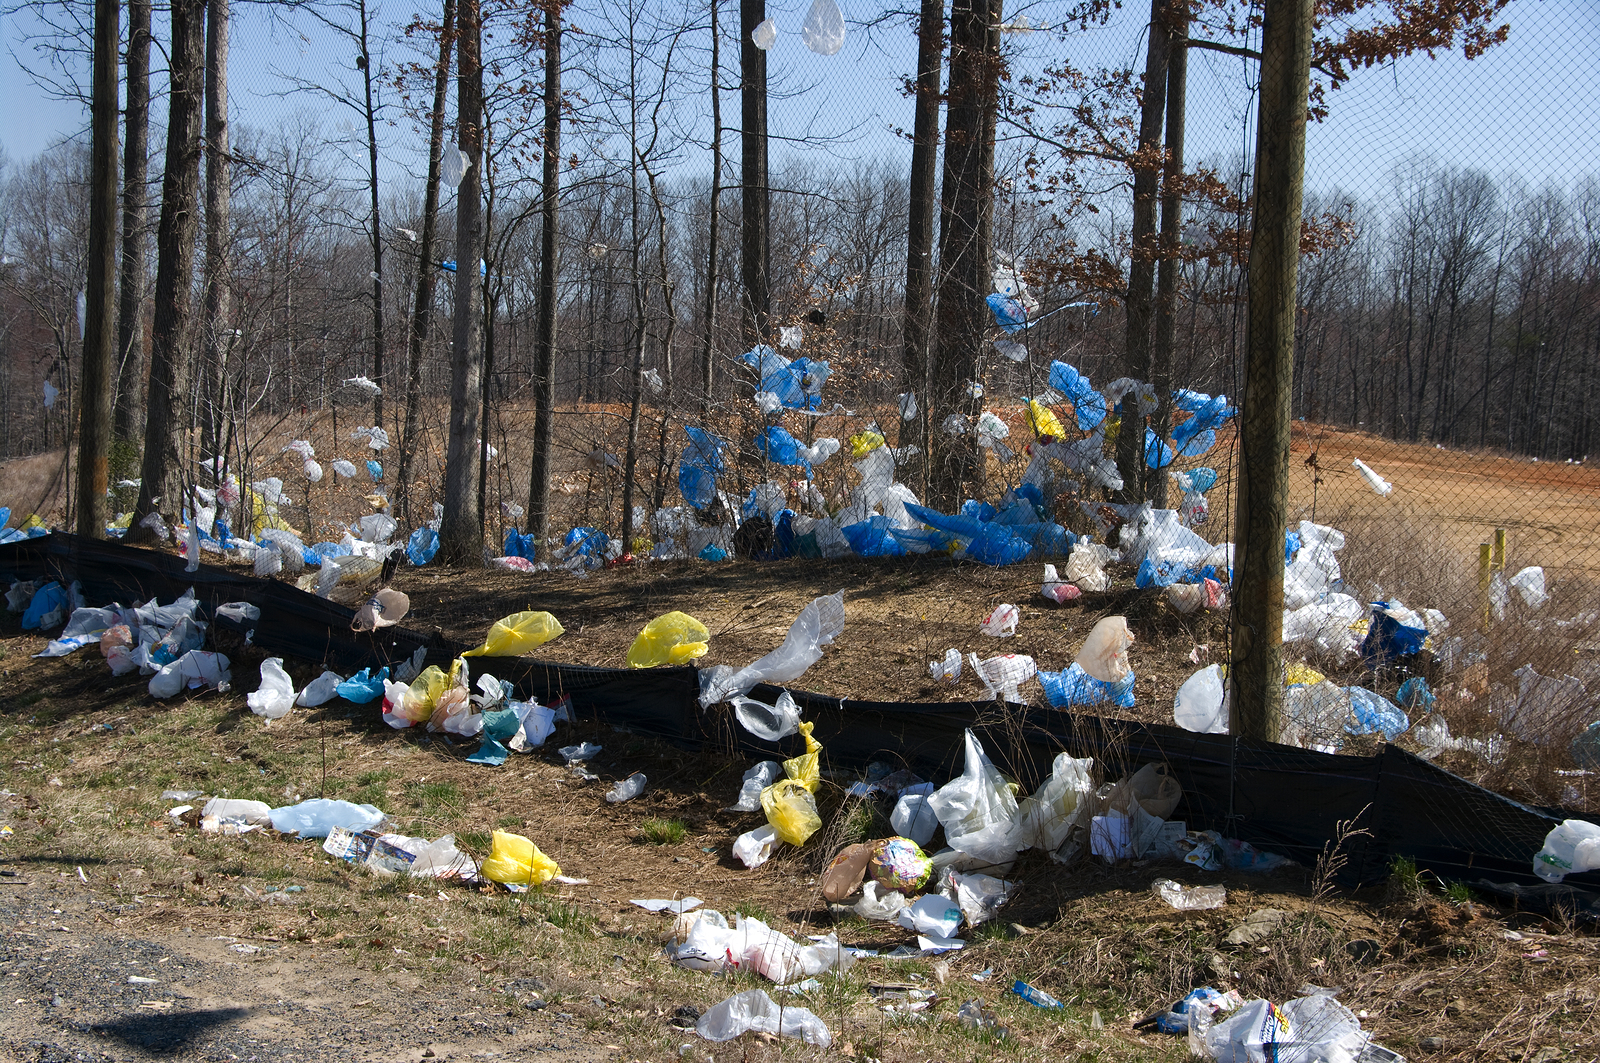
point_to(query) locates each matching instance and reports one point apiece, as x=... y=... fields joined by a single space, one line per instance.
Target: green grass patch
x=663 y=831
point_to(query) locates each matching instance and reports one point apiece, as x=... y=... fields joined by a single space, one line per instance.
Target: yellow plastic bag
x=791 y=810
x=864 y=443
x=806 y=768
x=516 y=861
x=426 y=690
x=671 y=638
x=1044 y=422
x=517 y=634
x=1302 y=674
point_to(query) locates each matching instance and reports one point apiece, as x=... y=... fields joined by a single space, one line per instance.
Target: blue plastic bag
x=1157 y=455
x=1375 y=713
x=374 y=470
x=498 y=728
x=422 y=545
x=1008 y=313
x=517 y=544
x=1387 y=638
x=1076 y=687
x=713 y=552
x=1415 y=695
x=776 y=444
x=1089 y=404
x=872 y=538
x=322 y=551
x=699 y=466
x=47 y=599
x=363 y=686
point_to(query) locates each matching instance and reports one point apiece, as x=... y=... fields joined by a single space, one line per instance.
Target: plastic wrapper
x=315 y=818
x=1189 y=898
x=516 y=861
x=754 y=1011
x=275 y=696
x=899 y=864
x=791 y=811
x=978 y=809
x=672 y=638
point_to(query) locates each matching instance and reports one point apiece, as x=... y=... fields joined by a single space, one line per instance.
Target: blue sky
x=1528 y=108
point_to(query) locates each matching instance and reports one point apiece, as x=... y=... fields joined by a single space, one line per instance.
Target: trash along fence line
x=1278 y=798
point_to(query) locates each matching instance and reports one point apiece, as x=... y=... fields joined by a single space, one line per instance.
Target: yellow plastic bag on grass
x=516 y=861
x=791 y=810
x=671 y=638
x=806 y=769
x=424 y=696
x=517 y=634
x=1043 y=421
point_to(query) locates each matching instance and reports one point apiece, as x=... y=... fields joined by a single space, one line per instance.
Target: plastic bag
x=1201 y=704
x=754 y=1011
x=1374 y=481
x=912 y=817
x=933 y=914
x=1076 y=687
x=879 y=903
x=755 y=780
x=1045 y=818
x=1002 y=675
x=765 y=35
x=1530 y=584
x=899 y=864
x=364 y=686
x=1375 y=713
x=791 y=810
x=1189 y=898
x=194 y=669
x=1002 y=622
x=275 y=697
x=823 y=29
x=627 y=789
x=819 y=623
x=846 y=871
x=978 y=810
x=1054 y=589
x=671 y=638
x=498 y=728
x=1571 y=847
x=947 y=671
x=315 y=818
x=1105 y=652
x=1085 y=566
x=754 y=848
x=806 y=769
x=980 y=897
x=424 y=694
x=516 y=861
x=518 y=633
x=386 y=608
x=320 y=690
x=770 y=722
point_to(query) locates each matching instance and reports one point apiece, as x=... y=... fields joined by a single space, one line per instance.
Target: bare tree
x=544 y=367
x=94 y=404
x=919 y=233
x=129 y=428
x=216 y=325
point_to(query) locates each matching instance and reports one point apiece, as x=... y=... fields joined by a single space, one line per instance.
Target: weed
x=1458 y=893
x=1405 y=881
x=663 y=831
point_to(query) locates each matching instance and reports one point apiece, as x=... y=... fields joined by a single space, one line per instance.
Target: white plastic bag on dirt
x=978 y=809
x=320 y=690
x=948 y=670
x=316 y=817
x=1044 y=819
x=1085 y=566
x=1002 y=675
x=1256 y=1033
x=1002 y=622
x=275 y=697
x=823 y=33
x=754 y=848
x=1105 y=652
x=754 y=1011
x=195 y=669
x=1374 y=481
x=1202 y=702
x=769 y=722
x=819 y=623
x=1055 y=589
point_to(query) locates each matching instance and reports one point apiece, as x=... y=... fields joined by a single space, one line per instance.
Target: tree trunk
x=461 y=533
x=135 y=186
x=1142 y=254
x=1257 y=651
x=919 y=237
x=1171 y=236
x=99 y=332
x=216 y=319
x=708 y=350
x=965 y=262
x=171 y=366
x=755 y=229
x=378 y=373
x=544 y=365
x=422 y=311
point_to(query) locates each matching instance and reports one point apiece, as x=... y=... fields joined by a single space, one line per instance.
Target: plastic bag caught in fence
x=1045 y=818
x=1201 y=704
x=769 y=722
x=823 y=33
x=1104 y=655
x=1003 y=675
x=672 y=638
x=1571 y=847
x=517 y=634
x=1075 y=687
x=819 y=623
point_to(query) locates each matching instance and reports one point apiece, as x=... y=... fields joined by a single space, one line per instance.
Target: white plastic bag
x=932 y=914
x=1530 y=584
x=878 y=902
x=980 y=896
x=769 y=722
x=765 y=35
x=1202 y=702
x=1105 y=652
x=912 y=817
x=194 y=669
x=1374 y=481
x=1572 y=846
x=1054 y=588
x=1045 y=818
x=755 y=780
x=823 y=29
x=275 y=697
x=316 y=817
x=754 y=1011
x=978 y=809
x=1253 y=1034
x=947 y=671
x=819 y=623
x=320 y=690
x=1085 y=566
x=1004 y=674
x=754 y=848
x=1002 y=623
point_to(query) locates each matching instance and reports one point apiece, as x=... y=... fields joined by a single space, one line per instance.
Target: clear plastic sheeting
x=768 y=722
x=978 y=809
x=819 y=623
